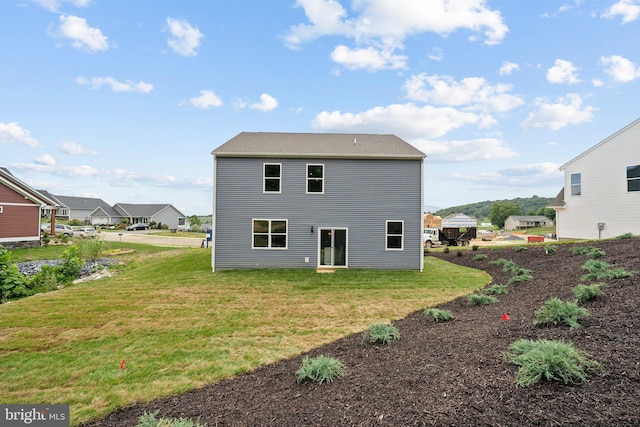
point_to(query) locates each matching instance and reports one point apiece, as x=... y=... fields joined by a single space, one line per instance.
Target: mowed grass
x=178 y=326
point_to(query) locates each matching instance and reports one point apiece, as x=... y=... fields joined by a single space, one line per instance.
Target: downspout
x=213 y=217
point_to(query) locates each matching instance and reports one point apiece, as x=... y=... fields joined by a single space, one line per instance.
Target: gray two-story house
x=306 y=200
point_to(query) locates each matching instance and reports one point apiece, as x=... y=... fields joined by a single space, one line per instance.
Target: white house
x=601 y=194
x=520 y=222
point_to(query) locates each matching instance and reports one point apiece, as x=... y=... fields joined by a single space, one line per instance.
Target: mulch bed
x=451 y=373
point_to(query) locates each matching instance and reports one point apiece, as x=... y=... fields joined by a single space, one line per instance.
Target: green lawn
x=179 y=326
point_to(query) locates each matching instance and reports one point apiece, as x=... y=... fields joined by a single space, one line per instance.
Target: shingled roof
x=318 y=145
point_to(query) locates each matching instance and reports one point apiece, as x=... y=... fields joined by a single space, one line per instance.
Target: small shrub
x=71 y=265
x=495 y=290
x=521 y=248
x=588 y=250
x=474 y=247
x=438 y=314
x=549 y=360
x=624 y=236
x=500 y=261
x=550 y=249
x=12 y=282
x=150 y=420
x=458 y=252
x=43 y=281
x=321 y=369
x=381 y=333
x=91 y=249
x=509 y=266
x=481 y=299
x=446 y=250
x=479 y=257
x=555 y=311
x=600 y=270
x=520 y=278
x=588 y=292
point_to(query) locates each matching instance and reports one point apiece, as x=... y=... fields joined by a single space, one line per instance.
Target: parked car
x=60 y=229
x=84 y=232
x=138 y=226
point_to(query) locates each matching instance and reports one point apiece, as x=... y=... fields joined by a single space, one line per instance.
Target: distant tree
x=500 y=211
x=194 y=221
x=548 y=212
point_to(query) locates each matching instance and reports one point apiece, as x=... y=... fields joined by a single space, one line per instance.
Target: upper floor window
x=315 y=178
x=395 y=235
x=576 y=186
x=269 y=234
x=633 y=178
x=272 y=177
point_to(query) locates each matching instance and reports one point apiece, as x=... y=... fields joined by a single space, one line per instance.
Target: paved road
x=146 y=237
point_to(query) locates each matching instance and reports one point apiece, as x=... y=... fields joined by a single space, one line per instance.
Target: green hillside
x=529 y=206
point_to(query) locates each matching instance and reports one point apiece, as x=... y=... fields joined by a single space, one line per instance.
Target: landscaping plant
x=588 y=292
x=381 y=333
x=481 y=299
x=495 y=290
x=624 y=236
x=438 y=314
x=556 y=311
x=600 y=270
x=150 y=420
x=479 y=257
x=549 y=360
x=321 y=369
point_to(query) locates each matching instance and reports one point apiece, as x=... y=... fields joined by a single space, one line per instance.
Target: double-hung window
x=272 y=178
x=576 y=186
x=633 y=178
x=269 y=234
x=315 y=179
x=395 y=235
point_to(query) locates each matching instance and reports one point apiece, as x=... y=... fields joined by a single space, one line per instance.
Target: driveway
x=144 y=236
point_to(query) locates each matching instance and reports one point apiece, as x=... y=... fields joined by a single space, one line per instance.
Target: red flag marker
x=506 y=316
x=122 y=364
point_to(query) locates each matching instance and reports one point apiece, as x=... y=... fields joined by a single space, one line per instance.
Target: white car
x=84 y=232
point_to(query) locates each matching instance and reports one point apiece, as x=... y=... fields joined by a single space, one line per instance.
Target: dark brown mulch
x=451 y=373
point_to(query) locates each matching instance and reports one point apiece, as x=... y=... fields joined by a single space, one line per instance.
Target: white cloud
x=45 y=160
x=116 y=86
x=82 y=36
x=207 y=99
x=620 y=68
x=568 y=110
x=474 y=93
x=464 y=151
x=13 y=133
x=406 y=120
x=520 y=176
x=367 y=58
x=184 y=39
x=563 y=72
x=507 y=68
x=71 y=147
x=54 y=5
x=380 y=27
x=267 y=103
x=628 y=9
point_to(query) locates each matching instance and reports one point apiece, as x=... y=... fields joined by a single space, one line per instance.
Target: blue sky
x=125 y=100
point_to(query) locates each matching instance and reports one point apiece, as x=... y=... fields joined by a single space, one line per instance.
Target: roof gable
x=317 y=145
x=142 y=211
x=24 y=189
x=84 y=203
x=601 y=143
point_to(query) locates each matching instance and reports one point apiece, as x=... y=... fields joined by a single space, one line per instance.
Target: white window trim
x=269 y=247
x=386 y=235
x=265 y=177
x=306 y=172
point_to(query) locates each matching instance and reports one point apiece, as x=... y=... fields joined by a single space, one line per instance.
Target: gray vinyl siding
x=360 y=195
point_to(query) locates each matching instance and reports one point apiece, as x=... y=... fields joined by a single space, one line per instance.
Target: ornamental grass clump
x=588 y=292
x=550 y=249
x=624 y=236
x=479 y=257
x=589 y=251
x=520 y=275
x=481 y=299
x=150 y=420
x=495 y=290
x=381 y=333
x=321 y=369
x=600 y=270
x=555 y=311
x=549 y=360
x=438 y=314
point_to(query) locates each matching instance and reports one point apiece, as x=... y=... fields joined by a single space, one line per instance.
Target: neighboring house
x=601 y=194
x=302 y=200
x=78 y=208
x=521 y=222
x=105 y=215
x=146 y=214
x=20 y=211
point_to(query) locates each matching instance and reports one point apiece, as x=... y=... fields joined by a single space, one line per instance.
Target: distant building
x=521 y=222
